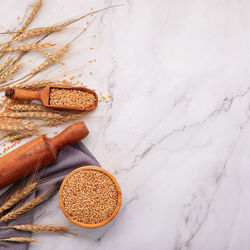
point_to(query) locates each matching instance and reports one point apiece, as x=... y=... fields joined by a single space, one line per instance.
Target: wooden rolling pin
x=37 y=153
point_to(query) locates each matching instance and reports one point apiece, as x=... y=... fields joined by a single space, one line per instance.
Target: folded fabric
x=69 y=158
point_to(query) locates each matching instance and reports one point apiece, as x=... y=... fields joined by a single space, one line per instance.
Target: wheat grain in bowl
x=90 y=196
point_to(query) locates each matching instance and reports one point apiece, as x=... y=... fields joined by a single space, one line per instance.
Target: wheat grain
x=18 y=196
x=26 y=207
x=33 y=115
x=37 y=31
x=30 y=17
x=19 y=128
x=10 y=71
x=39 y=228
x=29 y=47
x=6 y=63
x=19 y=239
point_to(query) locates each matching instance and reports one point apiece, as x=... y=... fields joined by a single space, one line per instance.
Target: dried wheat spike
x=34 y=115
x=30 y=17
x=63 y=119
x=6 y=63
x=27 y=107
x=39 y=228
x=5 y=134
x=19 y=239
x=49 y=61
x=36 y=31
x=51 y=57
x=2 y=52
x=10 y=71
x=20 y=135
x=37 y=84
x=28 y=47
x=26 y=207
x=18 y=196
x=18 y=128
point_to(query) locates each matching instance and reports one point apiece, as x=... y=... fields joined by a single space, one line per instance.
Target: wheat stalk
x=19 y=239
x=33 y=85
x=26 y=207
x=39 y=228
x=27 y=107
x=20 y=135
x=5 y=134
x=49 y=61
x=13 y=69
x=64 y=119
x=19 y=128
x=6 y=64
x=18 y=196
x=28 y=47
x=36 y=31
x=33 y=115
x=30 y=17
x=51 y=57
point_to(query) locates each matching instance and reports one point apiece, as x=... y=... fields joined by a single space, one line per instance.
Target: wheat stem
x=19 y=239
x=39 y=228
x=30 y=17
x=34 y=115
x=18 y=196
x=6 y=63
x=19 y=128
x=26 y=207
x=10 y=71
x=29 y=47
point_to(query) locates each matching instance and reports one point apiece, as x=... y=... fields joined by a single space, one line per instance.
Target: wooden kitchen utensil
x=43 y=95
x=37 y=153
x=118 y=203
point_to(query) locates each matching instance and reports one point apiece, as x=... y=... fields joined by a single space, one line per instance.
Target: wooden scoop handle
x=70 y=135
x=22 y=94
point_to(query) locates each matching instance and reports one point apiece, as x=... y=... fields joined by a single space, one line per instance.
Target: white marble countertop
x=176 y=133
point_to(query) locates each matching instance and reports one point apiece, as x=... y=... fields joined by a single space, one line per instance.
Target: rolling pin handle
x=70 y=135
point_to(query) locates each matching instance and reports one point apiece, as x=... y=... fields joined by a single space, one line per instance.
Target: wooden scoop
x=43 y=95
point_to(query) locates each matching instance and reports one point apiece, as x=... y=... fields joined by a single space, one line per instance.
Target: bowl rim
x=119 y=197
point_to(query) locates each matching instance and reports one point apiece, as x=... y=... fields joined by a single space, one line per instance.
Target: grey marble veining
x=176 y=132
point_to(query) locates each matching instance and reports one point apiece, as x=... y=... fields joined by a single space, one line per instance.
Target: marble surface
x=176 y=132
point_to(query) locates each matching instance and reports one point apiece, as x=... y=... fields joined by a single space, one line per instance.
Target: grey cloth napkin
x=69 y=158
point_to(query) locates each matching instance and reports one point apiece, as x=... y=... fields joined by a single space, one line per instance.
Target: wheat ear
x=6 y=63
x=19 y=239
x=27 y=107
x=18 y=196
x=64 y=119
x=33 y=85
x=34 y=115
x=37 y=31
x=10 y=71
x=5 y=134
x=26 y=207
x=19 y=128
x=20 y=135
x=50 y=60
x=28 y=47
x=39 y=228
x=30 y=17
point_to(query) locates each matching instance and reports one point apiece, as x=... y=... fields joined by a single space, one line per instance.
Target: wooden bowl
x=119 y=197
